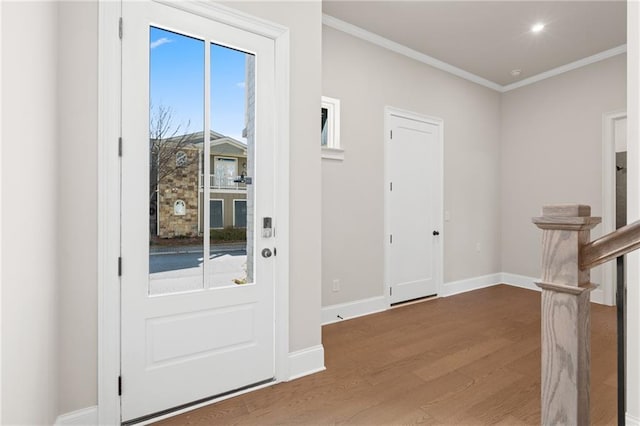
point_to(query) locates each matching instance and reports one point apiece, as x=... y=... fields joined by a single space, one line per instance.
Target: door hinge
x=119 y=385
x=390 y=291
x=119 y=266
x=390 y=238
x=390 y=186
x=120 y=28
x=390 y=134
x=120 y=146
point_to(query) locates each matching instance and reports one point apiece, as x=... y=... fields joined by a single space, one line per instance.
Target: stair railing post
x=565 y=314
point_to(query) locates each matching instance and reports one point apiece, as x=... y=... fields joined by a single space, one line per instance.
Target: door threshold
x=170 y=412
x=413 y=301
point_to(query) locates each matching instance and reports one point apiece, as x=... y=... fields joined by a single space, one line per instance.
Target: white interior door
x=414 y=206
x=197 y=316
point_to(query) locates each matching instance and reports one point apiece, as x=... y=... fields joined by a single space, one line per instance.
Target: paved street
x=180 y=269
x=163 y=262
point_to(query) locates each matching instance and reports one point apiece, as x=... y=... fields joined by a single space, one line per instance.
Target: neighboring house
x=178 y=183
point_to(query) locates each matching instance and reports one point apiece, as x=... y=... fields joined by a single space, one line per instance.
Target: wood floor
x=468 y=359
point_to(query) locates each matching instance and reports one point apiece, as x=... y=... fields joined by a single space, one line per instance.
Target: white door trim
x=109 y=85
x=609 y=198
x=1 y=208
x=389 y=112
x=109 y=97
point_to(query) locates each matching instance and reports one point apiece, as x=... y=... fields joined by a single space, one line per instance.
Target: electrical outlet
x=336 y=286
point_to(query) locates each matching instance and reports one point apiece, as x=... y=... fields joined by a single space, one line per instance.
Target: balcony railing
x=223 y=182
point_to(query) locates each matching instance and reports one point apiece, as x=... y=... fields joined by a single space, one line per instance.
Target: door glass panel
x=176 y=113
x=232 y=100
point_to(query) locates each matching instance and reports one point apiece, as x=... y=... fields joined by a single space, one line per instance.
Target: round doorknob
x=266 y=252
x=435 y=233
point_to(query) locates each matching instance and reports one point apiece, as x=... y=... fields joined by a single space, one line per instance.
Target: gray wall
x=304 y=19
x=366 y=78
x=30 y=325
x=552 y=152
x=77 y=203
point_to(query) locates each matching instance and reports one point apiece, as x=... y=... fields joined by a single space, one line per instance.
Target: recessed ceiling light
x=516 y=73
x=537 y=27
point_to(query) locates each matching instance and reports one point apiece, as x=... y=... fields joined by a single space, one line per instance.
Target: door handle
x=436 y=233
x=266 y=253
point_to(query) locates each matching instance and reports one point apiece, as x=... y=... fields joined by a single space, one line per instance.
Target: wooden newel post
x=566 y=314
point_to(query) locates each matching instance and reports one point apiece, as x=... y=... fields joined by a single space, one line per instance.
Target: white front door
x=413 y=206
x=197 y=315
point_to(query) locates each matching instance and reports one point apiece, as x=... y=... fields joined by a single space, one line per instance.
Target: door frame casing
x=390 y=112
x=109 y=182
x=609 y=198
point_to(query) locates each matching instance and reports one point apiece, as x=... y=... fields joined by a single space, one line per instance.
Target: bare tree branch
x=166 y=140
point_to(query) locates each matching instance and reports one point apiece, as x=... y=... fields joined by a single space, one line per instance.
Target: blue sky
x=176 y=80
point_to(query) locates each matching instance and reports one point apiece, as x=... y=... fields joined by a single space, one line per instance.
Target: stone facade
x=181 y=185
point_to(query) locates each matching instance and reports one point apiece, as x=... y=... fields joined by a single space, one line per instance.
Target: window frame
x=179 y=202
x=182 y=159
x=333 y=149
x=216 y=158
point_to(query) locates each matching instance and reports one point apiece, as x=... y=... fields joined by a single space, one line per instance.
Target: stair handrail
x=567 y=258
x=617 y=243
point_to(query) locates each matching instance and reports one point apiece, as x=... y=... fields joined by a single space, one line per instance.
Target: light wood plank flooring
x=469 y=359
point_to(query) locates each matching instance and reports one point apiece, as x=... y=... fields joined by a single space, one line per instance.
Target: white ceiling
x=491 y=38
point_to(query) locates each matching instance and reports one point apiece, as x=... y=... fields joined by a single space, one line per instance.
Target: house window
x=181 y=159
x=179 y=208
x=330 y=129
x=225 y=172
x=239 y=213
x=216 y=214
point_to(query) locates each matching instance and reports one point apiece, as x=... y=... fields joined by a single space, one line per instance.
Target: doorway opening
x=614 y=217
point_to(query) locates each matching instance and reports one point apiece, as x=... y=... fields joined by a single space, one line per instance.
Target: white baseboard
x=521 y=281
x=469 y=284
x=84 y=417
x=306 y=361
x=301 y=363
x=597 y=296
x=631 y=421
x=358 y=308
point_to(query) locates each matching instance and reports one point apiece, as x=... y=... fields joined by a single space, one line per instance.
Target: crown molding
x=401 y=49
x=568 y=67
x=363 y=34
